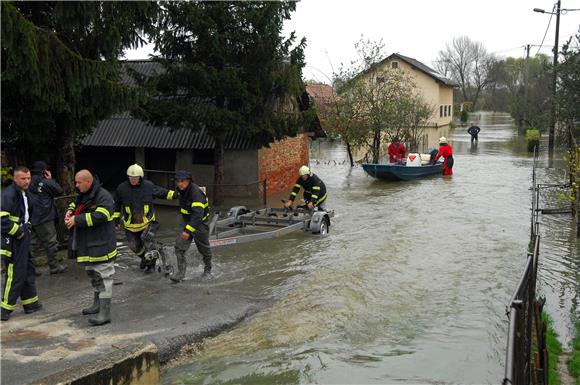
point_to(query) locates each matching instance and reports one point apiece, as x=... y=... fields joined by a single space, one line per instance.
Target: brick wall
x=279 y=164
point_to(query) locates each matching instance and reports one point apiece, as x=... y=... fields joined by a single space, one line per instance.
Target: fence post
x=265 y=191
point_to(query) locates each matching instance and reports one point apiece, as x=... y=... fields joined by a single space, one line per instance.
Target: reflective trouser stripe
x=322 y=199
x=9 y=278
x=30 y=300
x=293 y=193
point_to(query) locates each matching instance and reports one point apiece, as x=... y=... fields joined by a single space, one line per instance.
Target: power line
x=547 y=28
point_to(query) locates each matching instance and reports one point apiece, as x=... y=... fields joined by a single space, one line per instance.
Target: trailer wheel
x=324 y=226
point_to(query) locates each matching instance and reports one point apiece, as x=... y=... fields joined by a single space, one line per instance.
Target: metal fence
x=524 y=313
x=246 y=192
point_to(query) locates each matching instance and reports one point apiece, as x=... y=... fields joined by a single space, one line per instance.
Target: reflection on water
x=410 y=286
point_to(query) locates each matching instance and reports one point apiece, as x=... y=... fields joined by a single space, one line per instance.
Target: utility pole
x=526 y=84
x=554 y=82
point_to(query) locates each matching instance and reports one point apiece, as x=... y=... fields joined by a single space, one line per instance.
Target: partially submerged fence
x=524 y=313
x=251 y=192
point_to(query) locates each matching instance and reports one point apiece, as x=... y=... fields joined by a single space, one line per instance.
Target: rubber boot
x=104 y=316
x=207 y=267
x=181 y=267
x=150 y=258
x=165 y=267
x=95 y=307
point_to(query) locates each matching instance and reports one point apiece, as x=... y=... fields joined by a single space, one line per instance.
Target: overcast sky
x=419 y=28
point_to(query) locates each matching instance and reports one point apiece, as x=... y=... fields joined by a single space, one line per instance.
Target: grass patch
x=574 y=363
x=554 y=351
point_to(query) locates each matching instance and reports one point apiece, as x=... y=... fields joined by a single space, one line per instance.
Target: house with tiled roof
x=436 y=89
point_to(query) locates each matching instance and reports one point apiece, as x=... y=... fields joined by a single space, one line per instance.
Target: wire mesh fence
x=524 y=313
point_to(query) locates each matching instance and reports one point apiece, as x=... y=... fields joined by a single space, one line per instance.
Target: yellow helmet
x=442 y=140
x=304 y=170
x=135 y=170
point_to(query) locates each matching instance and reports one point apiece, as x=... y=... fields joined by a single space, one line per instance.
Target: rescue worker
x=396 y=151
x=445 y=151
x=134 y=205
x=473 y=131
x=20 y=280
x=194 y=207
x=43 y=189
x=314 y=189
x=93 y=241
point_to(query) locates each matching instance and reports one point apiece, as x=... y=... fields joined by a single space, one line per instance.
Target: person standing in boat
x=445 y=151
x=314 y=189
x=396 y=151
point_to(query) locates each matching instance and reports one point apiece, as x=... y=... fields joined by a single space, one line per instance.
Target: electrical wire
x=547 y=28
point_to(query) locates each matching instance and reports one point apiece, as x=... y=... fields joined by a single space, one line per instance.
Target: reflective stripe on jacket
x=134 y=204
x=194 y=207
x=12 y=214
x=94 y=230
x=313 y=186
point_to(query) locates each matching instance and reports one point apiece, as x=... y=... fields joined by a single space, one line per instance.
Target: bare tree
x=469 y=64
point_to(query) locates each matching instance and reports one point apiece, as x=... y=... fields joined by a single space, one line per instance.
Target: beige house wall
x=440 y=96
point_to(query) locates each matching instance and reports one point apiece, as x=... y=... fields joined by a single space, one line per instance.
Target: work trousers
x=143 y=241
x=319 y=204
x=201 y=239
x=20 y=280
x=101 y=275
x=44 y=237
x=474 y=137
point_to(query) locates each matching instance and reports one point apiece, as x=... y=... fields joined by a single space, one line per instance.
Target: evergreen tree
x=60 y=72
x=228 y=69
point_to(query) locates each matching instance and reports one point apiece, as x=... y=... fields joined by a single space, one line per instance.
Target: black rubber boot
x=181 y=267
x=104 y=316
x=5 y=314
x=32 y=308
x=95 y=307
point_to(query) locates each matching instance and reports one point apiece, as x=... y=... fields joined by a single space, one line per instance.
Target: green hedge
x=574 y=363
x=533 y=139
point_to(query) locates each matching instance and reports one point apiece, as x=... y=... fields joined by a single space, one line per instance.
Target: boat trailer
x=241 y=225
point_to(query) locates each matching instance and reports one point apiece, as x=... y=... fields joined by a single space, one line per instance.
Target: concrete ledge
x=133 y=364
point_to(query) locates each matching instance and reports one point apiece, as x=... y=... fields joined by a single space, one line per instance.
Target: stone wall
x=279 y=163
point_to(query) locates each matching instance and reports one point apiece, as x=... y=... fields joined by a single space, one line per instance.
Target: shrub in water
x=533 y=139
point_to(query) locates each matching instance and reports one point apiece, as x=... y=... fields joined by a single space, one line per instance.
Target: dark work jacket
x=134 y=204
x=473 y=130
x=314 y=189
x=93 y=238
x=42 y=193
x=12 y=215
x=194 y=207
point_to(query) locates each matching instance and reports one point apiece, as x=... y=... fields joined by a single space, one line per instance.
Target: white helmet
x=135 y=170
x=304 y=170
x=442 y=140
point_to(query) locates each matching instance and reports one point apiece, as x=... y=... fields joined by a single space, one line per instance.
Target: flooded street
x=410 y=286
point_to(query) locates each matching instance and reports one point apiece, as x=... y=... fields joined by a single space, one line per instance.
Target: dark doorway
x=161 y=166
x=108 y=163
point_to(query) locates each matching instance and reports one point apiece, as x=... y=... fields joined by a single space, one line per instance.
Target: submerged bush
x=533 y=139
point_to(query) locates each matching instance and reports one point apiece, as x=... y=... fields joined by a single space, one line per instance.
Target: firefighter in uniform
x=20 y=280
x=194 y=207
x=134 y=205
x=314 y=189
x=43 y=190
x=93 y=241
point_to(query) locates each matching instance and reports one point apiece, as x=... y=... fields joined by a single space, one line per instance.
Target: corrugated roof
x=428 y=70
x=123 y=130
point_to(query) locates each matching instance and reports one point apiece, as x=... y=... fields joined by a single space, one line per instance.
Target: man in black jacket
x=43 y=189
x=93 y=241
x=314 y=189
x=194 y=207
x=134 y=206
x=20 y=280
